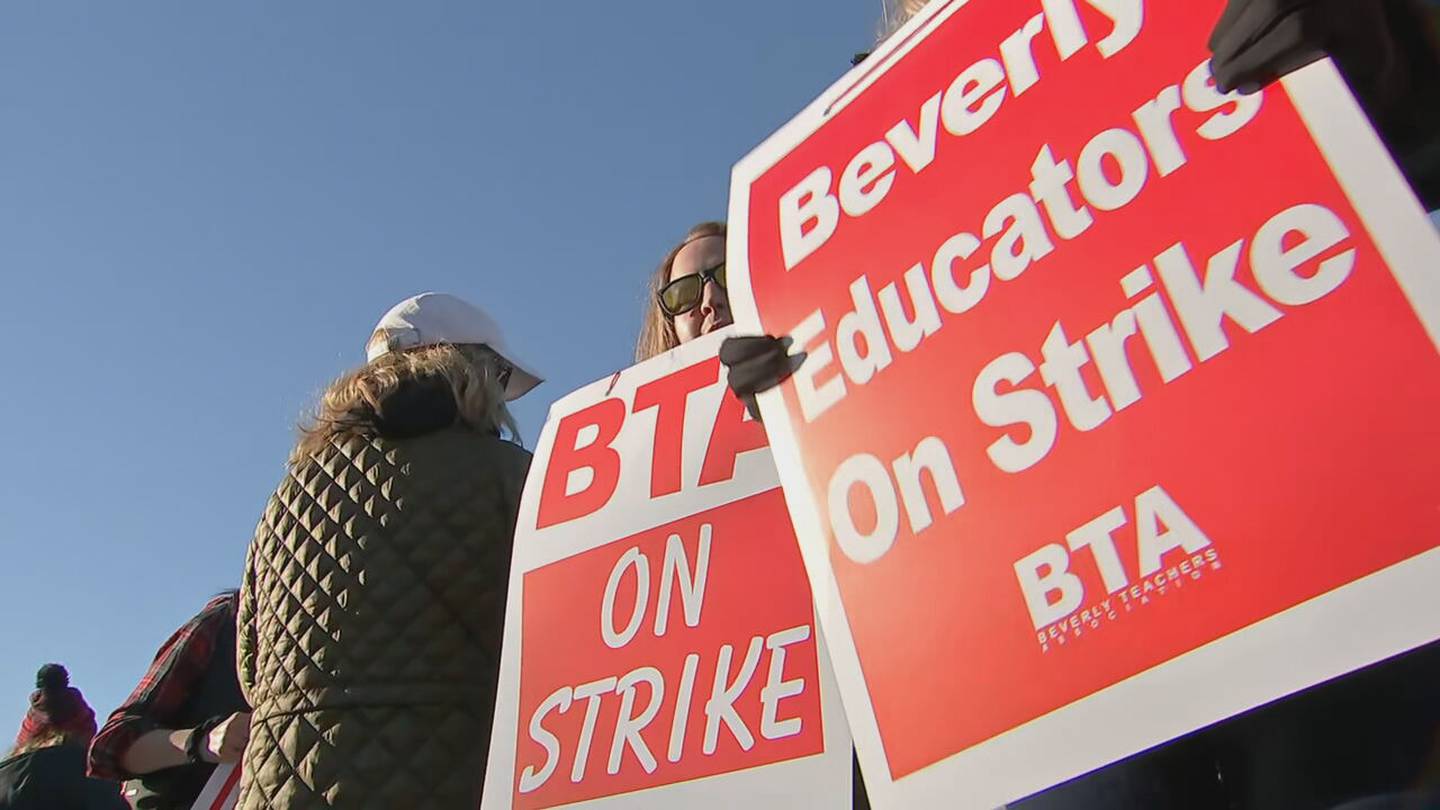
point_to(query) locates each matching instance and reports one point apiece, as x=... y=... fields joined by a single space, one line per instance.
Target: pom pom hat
x=56 y=706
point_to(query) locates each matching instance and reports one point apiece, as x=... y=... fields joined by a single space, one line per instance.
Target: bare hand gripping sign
x=1118 y=416
x=660 y=637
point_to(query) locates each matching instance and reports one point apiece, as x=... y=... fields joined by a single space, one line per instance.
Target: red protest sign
x=1116 y=417
x=660 y=641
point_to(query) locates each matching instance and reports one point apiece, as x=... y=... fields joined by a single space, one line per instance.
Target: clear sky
x=204 y=207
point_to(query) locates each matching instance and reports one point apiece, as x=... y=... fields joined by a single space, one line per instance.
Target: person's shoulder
x=15 y=762
x=460 y=446
x=340 y=452
x=220 y=607
x=46 y=763
x=512 y=452
x=344 y=444
x=62 y=758
x=508 y=451
x=15 y=771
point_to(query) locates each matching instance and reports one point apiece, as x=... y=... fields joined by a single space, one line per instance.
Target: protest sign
x=1118 y=411
x=660 y=642
x=222 y=789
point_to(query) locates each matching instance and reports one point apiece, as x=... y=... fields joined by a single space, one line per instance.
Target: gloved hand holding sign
x=757 y=363
x=1258 y=41
x=1387 y=50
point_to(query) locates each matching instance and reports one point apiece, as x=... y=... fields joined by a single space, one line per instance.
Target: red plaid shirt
x=162 y=692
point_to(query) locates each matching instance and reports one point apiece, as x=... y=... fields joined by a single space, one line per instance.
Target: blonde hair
x=895 y=13
x=49 y=740
x=352 y=403
x=657 y=330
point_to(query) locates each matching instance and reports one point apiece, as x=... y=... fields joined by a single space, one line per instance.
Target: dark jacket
x=54 y=779
x=1371 y=737
x=1399 y=87
x=371 y=618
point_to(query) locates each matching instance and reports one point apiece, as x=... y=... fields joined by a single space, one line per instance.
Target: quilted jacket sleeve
x=246 y=643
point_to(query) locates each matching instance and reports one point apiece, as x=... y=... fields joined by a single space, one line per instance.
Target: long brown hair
x=657 y=331
x=350 y=404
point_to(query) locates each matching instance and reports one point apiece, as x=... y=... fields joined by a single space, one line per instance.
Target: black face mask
x=417 y=407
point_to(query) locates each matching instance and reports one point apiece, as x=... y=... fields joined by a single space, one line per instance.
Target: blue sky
x=205 y=207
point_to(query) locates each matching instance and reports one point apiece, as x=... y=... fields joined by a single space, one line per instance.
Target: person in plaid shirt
x=186 y=714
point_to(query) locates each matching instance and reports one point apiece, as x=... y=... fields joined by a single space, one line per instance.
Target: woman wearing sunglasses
x=687 y=293
x=688 y=299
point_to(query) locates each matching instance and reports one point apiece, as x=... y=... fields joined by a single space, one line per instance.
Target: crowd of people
x=356 y=664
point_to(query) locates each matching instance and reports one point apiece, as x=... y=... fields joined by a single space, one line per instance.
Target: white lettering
x=869 y=472
x=692 y=590
x=1021 y=406
x=1154 y=507
x=628 y=726
x=930 y=455
x=777 y=689
x=867 y=179
x=811 y=204
x=815 y=399
x=530 y=778
x=973 y=98
x=1057 y=579
x=1202 y=306
x=721 y=705
x=631 y=559
x=1274 y=264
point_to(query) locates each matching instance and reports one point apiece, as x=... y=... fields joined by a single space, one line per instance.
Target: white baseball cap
x=429 y=319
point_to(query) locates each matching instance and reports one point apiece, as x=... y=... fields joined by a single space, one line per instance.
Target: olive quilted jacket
x=370 y=622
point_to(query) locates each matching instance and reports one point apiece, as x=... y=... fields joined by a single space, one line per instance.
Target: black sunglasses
x=684 y=293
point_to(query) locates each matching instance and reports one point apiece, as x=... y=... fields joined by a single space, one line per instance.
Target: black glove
x=1258 y=41
x=757 y=363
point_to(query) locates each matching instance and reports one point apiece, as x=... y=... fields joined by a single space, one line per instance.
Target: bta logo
x=586 y=443
x=1052 y=592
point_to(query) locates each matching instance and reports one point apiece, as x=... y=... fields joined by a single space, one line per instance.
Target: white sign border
x=1263 y=661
